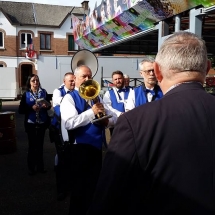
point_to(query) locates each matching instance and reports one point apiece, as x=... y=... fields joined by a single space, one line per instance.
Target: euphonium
x=90 y=90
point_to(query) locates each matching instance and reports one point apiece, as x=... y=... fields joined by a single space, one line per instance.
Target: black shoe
x=61 y=196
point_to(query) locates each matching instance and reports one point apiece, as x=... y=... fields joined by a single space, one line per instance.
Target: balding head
x=69 y=81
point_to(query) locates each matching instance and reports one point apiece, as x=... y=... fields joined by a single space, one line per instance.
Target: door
x=26 y=70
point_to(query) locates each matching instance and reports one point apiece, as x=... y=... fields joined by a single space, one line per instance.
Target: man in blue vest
x=61 y=159
x=67 y=86
x=116 y=98
x=149 y=90
x=86 y=139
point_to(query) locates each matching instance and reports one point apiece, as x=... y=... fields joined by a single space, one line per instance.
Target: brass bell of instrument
x=89 y=89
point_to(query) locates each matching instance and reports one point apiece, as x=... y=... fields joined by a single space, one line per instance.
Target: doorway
x=26 y=70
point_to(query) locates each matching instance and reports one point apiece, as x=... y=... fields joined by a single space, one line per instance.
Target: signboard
x=114 y=20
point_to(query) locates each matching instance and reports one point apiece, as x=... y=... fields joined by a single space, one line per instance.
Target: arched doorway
x=26 y=70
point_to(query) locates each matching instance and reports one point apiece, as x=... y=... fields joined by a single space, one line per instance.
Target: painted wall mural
x=114 y=20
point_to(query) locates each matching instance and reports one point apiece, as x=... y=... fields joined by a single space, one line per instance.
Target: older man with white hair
x=86 y=140
x=161 y=157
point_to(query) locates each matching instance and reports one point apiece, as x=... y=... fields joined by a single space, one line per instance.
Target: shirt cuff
x=90 y=114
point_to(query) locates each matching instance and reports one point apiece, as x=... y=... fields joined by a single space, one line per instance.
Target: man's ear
x=157 y=71
x=208 y=66
x=140 y=73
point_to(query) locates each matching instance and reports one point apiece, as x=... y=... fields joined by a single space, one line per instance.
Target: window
x=26 y=40
x=70 y=43
x=45 y=41
x=1 y=39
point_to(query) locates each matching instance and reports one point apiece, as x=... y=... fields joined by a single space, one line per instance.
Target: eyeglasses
x=148 y=71
x=35 y=80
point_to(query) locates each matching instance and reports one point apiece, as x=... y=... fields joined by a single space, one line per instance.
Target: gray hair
x=182 y=52
x=68 y=73
x=146 y=59
x=77 y=69
x=126 y=76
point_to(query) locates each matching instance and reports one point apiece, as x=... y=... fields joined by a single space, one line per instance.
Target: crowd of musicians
x=161 y=154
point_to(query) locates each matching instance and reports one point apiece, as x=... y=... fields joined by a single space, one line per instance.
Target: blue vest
x=31 y=100
x=91 y=133
x=119 y=106
x=141 y=97
x=56 y=117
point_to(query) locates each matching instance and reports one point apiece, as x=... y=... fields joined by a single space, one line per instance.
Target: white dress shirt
x=120 y=99
x=56 y=100
x=70 y=119
x=131 y=99
x=57 y=97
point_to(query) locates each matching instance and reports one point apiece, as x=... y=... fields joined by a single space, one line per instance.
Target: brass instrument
x=90 y=90
x=85 y=57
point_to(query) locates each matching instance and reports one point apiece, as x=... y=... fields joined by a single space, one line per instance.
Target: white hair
x=146 y=59
x=182 y=52
x=77 y=69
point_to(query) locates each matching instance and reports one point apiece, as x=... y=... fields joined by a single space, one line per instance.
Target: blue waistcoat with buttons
x=31 y=100
x=119 y=105
x=91 y=134
x=141 y=95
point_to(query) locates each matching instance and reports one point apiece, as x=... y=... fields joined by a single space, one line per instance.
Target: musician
x=67 y=86
x=62 y=161
x=86 y=139
x=116 y=98
x=36 y=122
x=149 y=90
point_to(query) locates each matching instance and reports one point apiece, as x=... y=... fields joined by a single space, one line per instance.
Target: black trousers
x=63 y=169
x=36 y=136
x=86 y=166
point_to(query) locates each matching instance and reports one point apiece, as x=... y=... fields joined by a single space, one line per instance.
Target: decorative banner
x=114 y=20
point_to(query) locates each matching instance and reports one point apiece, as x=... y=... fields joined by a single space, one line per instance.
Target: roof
x=22 y=13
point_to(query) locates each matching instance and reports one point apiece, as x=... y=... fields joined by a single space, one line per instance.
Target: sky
x=61 y=2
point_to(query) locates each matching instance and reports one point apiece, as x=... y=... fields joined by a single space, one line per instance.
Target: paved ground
x=21 y=194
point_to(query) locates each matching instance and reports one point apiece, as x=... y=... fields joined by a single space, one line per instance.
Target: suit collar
x=185 y=86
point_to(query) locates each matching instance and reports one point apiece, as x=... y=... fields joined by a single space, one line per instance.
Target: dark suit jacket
x=161 y=158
